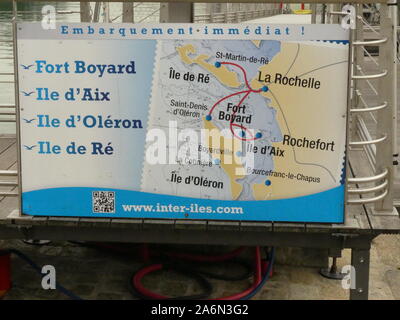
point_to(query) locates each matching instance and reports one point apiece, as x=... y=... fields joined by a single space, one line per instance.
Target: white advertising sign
x=183 y=121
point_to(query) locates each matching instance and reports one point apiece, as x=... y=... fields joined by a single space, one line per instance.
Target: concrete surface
x=98 y=274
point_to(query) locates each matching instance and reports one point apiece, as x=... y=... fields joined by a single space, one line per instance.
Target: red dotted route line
x=247 y=92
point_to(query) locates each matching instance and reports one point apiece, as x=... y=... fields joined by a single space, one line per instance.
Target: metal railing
x=381 y=192
x=234 y=17
x=94 y=14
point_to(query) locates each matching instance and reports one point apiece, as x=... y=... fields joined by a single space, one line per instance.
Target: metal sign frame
x=383 y=192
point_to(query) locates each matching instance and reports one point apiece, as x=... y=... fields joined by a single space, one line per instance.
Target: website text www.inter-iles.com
x=170 y=208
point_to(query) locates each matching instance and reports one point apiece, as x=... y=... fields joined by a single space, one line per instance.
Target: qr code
x=103 y=201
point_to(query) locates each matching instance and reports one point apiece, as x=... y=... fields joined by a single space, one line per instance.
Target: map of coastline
x=273 y=110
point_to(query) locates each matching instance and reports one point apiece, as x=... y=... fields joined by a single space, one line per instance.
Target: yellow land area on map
x=299 y=114
x=229 y=78
x=231 y=166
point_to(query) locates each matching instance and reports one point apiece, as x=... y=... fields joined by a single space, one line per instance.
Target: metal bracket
x=344 y=237
x=25 y=231
x=335 y=252
x=348 y=20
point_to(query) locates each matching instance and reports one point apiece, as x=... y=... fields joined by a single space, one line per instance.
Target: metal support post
x=85 y=12
x=16 y=92
x=331 y=272
x=96 y=12
x=313 y=7
x=323 y=13
x=106 y=12
x=358 y=61
x=360 y=259
x=393 y=13
x=176 y=12
x=127 y=12
x=387 y=89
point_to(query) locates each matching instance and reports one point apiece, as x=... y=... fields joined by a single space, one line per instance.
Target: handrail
x=7 y=113
x=370 y=76
x=370 y=109
x=9 y=194
x=368 y=200
x=370 y=178
x=8 y=183
x=7 y=106
x=367 y=142
x=368 y=190
x=340 y=13
x=9 y=173
x=8 y=120
x=370 y=42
